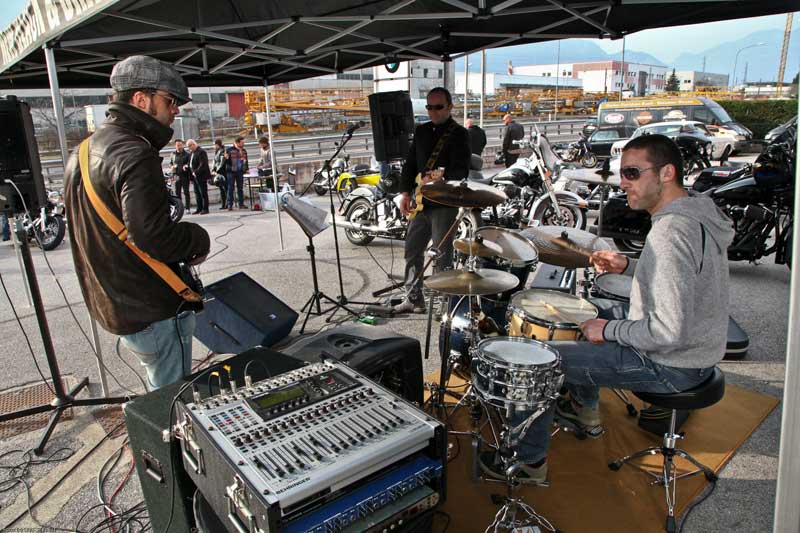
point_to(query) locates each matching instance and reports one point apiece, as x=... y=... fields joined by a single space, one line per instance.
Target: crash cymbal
x=477 y=246
x=515 y=247
x=567 y=247
x=462 y=194
x=481 y=281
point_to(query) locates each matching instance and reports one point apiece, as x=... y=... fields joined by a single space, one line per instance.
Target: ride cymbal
x=480 y=282
x=477 y=246
x=566 y=247
x=462 y=194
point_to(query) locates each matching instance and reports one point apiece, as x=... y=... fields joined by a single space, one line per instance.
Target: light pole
x=736 y=61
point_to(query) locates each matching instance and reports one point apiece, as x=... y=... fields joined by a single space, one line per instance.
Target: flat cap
x=145 y=72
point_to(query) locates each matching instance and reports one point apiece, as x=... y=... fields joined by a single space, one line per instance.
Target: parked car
x=672 y=129
x=776 y=134
x=601 y=140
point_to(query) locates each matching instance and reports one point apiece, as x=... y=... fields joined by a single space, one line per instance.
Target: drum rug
x=584 y=495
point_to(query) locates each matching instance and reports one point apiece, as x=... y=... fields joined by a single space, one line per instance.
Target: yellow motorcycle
x=347 y=177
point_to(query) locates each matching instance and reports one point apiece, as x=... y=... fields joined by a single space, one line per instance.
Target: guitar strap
x=114 y=224
x=438 y=148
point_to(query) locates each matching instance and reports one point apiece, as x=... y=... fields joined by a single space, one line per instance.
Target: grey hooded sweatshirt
x=679 y=299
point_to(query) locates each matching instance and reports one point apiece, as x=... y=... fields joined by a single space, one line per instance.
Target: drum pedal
x=581 y=432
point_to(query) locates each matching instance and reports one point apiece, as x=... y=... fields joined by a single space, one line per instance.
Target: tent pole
x=274 y=164
x=787 y=494
x=466 y=85
x=483 y=83
x=58 y=109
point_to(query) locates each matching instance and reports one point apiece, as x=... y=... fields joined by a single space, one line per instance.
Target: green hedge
x=760 y=115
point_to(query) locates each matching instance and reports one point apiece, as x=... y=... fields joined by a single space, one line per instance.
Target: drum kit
x=493 y=332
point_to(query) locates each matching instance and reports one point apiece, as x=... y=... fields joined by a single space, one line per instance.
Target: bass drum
x=491 y=321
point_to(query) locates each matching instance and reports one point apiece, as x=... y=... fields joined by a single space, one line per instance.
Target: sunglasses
x=171 y=100
x=634 y=173
x=436 y=107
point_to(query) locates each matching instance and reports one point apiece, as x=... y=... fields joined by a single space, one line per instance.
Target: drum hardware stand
x=506 y=518
x=63 y=400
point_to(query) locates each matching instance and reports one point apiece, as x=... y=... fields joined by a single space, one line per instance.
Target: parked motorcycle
x=373 y=211
x=760 y=204
x=695 y=153
x=175 y=204
x=579 y=151
x=346 y=177
x=48 y=229
x=532 y=198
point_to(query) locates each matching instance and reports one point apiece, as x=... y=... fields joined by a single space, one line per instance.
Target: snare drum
x=613 y=287
x=518 y=256
x=516 y=372
x=529 y=317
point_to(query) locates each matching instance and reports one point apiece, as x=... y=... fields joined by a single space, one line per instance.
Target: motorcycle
x=581 y=152
x=529 y=185
x=175 y=204
x=696 y=154
x=48 y=229
x=347 y=178
x=760 y=204
x=373 y=211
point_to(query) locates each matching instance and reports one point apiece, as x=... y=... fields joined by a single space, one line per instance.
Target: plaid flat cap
x=145 y=72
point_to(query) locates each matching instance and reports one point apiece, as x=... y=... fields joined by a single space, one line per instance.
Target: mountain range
x=762 y=61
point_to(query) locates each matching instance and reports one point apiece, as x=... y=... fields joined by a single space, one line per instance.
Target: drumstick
x=570 y=246
x=566 y=316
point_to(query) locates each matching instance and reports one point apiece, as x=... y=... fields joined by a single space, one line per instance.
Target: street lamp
x=736 y=60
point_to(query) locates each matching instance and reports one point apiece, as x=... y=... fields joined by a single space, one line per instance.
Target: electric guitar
x=435 y=176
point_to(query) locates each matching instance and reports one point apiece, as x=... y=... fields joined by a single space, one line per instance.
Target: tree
x=673 y=83
x=793 y=88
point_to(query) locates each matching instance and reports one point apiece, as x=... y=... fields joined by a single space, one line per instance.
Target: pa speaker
x=394 y=361
x=240 y=314
x=19 y=159
x=392 y=124
x=158 y=464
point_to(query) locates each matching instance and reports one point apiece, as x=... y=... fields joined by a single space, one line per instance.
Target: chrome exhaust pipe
x=360 y=227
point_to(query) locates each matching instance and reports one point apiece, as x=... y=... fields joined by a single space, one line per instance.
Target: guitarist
x=438 y=144
x=116 y=178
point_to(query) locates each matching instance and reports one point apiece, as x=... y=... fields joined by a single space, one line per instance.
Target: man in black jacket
x=121 y=291
x=219 y=173
x=198 y=164
x=179 y=163
x=433 y=221
x=477 y=137
x=514 y=132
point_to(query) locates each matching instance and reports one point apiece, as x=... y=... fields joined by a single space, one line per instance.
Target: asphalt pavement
x=247 y=241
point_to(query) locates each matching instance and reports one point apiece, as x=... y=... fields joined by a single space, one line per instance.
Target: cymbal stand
x=515 y=513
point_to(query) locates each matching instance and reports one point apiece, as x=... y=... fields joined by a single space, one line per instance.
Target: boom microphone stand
x=342 y=299
x=63 y=400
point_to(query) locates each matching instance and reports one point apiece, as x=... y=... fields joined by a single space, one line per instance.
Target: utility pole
x=483 y=83
x=624 y=70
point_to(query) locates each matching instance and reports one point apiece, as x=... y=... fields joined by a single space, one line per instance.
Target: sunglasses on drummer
x=634 y=173
x=435 y=107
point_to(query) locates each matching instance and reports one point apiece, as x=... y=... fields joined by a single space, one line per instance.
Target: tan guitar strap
x=438 y=148
x=114 y=224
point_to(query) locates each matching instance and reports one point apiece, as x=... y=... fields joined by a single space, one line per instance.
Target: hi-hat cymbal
x=481 y=281
x=479 y=247
x=462 y=194
x=567 y=247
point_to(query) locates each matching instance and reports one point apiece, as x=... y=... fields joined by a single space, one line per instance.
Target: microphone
x=353 y=127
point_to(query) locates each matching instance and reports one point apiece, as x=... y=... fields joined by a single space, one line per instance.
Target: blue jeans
x=586 y=368
x=429 y=224
x=165 y=355
x=6 y=229
x=235 y=179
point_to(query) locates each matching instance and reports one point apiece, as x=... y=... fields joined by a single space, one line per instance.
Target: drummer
x=677 y=324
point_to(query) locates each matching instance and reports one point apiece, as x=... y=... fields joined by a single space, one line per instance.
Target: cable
x=251 y=361
x=695 y=504
x=25 y=334
x=446 y=517
x=231 y=230
x=135 y=373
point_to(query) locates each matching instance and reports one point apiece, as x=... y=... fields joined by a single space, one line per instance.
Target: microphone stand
x=342 y=300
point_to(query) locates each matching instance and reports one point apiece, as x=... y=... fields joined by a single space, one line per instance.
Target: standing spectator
x=179 y=163
x=6 y=227
x=236 y=157
x=265 y=163
x=198 y=164
x=477 y=137
x=218 y=172
x=514 y=132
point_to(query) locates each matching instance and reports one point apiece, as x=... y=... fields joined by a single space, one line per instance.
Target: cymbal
x=571 y=250
x=515 y=247
x=479 y=247
x=462 y=194
x=481 y=281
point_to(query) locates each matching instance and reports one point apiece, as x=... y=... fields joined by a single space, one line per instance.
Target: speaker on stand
x=392 y=117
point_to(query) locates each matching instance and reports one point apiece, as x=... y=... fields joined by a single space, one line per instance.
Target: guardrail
x=316 y=149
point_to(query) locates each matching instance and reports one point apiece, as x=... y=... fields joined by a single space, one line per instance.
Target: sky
x=665 y=43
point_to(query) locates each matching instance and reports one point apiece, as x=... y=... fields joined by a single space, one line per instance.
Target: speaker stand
x=62 y=400
x=313 y=305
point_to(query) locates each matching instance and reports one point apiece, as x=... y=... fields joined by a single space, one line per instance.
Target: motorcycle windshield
x=549 y=157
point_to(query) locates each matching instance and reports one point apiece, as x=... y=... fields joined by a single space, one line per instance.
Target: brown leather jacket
x=121 y=292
